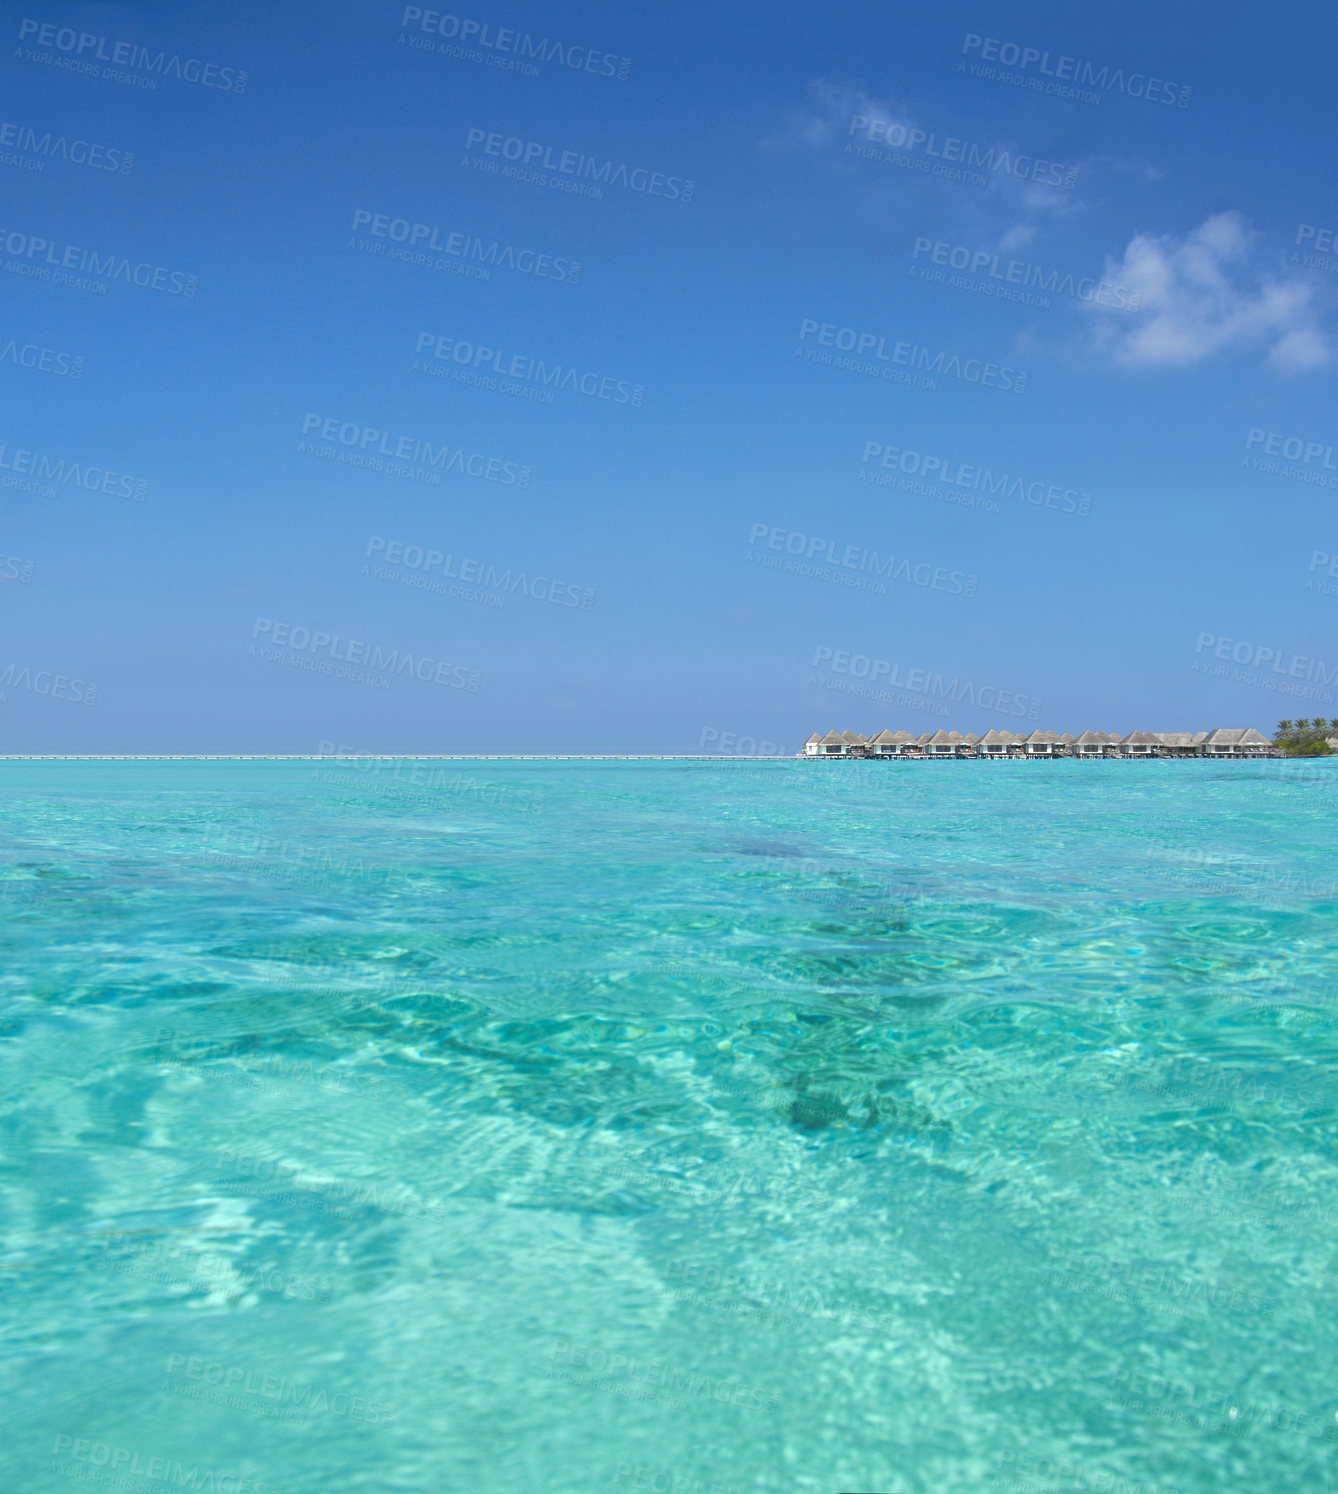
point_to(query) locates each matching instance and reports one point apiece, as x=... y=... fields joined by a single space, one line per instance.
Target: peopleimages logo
x=37 y=472
x=1258 y=656
x=421 y=563
x=57 y=686
x=948 y=148
x=892 y=459
x=1275 y=443
x=83 y=48
x=925 y=682
x=815 y=547
x=1072 y=69
x=366 y=446
x=325 y=646
x=1322 y=238
x=503 y=40
x=534 y=154
x=86 y=1455
x=521 y=366
x=58 y=148
x=1034 y=277
x=44 y=253
x=43 y=360
x=413 y=240
x=240 y=1381
x=1280 y=455
x=908 y=355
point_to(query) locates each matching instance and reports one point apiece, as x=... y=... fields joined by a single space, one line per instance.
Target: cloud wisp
x=1202 y=295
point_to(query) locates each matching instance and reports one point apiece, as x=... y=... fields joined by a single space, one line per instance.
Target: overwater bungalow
x=1222 y=742
x=1044 y=744
x=1235 y=742
x=1181 y=743
x=1140 y=744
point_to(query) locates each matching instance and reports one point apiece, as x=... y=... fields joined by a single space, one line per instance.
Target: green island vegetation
x=1306 y=738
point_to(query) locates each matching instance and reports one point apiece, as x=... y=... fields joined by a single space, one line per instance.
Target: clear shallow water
x=679 y=1126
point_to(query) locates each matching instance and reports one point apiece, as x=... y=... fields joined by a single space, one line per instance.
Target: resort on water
x=1222 y=742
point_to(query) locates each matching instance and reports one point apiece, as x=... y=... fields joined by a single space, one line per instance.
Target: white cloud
x=1017 y=237
x=825 y=117
x=1300 y=351
x=1201 y=295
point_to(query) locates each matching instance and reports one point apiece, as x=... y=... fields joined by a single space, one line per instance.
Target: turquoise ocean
x=547 y=1127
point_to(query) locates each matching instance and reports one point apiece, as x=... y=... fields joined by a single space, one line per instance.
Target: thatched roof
x=903 y=738
x=814 y=738
x=883 y=739
x=1094 y=739
x=971 y=739
x=996 y=738
x=833 y=739
x=1235 y=736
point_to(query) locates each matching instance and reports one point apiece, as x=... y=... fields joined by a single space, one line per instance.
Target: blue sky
x=965 y=385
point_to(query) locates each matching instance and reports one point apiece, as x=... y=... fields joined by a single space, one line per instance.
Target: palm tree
x=1284 y=728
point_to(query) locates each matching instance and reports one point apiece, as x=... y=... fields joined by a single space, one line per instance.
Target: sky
x=594 y=378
